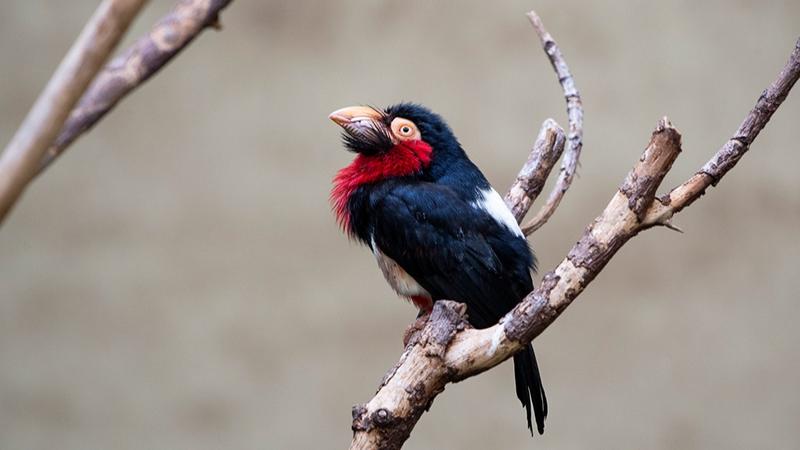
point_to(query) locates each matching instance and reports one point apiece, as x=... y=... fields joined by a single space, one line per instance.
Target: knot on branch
x=445 y=321
x=391 y=430
x=364 y=420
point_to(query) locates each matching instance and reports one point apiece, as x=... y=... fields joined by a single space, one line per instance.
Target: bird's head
x=373 y=132
x=400 y=141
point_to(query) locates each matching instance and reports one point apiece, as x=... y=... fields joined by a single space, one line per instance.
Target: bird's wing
x=451 y=248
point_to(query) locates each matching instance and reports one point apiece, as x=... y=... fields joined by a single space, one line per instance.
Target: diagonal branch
x=710 y=174
x=569 y=165
x=19 y=162
x=135 y=66
x=446 y=350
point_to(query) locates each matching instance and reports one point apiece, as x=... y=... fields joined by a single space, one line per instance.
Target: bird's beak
x=365 y=130
x=354 y=115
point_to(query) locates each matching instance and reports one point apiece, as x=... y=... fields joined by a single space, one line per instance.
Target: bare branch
x=531 y=179
x=20 y=160
x=726 y=157
x=135 y=66
x=569 y=165
x=447 y=350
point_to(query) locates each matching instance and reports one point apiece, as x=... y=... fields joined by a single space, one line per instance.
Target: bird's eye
x=404 y=129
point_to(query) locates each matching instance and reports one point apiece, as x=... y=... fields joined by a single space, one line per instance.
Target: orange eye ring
x=404 y=129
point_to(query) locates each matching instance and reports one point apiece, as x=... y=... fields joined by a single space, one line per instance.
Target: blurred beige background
x=177 y=280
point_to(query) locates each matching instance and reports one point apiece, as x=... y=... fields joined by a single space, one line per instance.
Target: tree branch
x=50 y=127
x=531 y=179
x=726 y=157
x=569 y=165
x=135 y=66
x=19 y=162
x=447 y=350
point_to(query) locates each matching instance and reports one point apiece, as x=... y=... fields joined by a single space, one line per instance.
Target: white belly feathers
x=396 y=276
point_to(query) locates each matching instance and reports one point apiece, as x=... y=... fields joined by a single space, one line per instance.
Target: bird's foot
x=416 y=327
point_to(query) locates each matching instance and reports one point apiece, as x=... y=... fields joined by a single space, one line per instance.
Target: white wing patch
x=496 y=207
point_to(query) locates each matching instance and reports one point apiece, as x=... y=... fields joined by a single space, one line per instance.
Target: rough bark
x=446 y=350
x=19 y=162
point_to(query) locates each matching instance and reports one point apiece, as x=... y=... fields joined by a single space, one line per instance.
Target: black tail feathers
x=530 y=391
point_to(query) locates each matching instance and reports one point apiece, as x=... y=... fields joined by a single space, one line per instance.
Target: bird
x=437 y=228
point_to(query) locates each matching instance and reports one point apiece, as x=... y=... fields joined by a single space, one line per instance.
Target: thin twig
x=569 y=165
x=20 y=160
x=137 y=64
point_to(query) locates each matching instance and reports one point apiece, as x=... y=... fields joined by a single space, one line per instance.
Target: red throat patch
x=405 y=158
